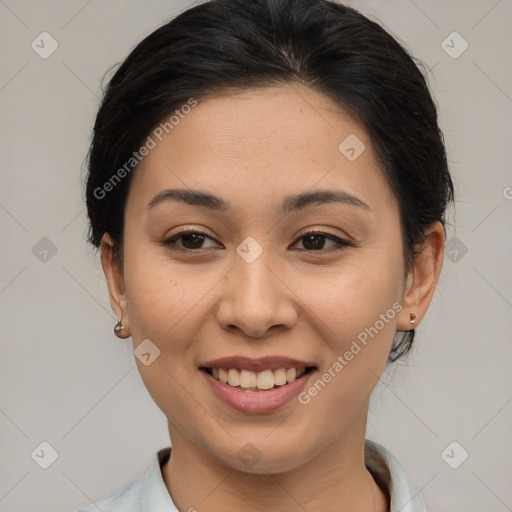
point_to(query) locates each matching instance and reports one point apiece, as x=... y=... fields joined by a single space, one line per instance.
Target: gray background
x=65 y=378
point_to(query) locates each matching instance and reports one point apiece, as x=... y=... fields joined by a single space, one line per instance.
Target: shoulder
x=147 y=493
x=125 y=499
x=405 y=497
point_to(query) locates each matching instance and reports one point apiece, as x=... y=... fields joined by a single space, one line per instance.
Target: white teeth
x=291 y=374
x=223 y=375
x=280 y=377
x=265 y=380
x=249 y=380
x=233 y=377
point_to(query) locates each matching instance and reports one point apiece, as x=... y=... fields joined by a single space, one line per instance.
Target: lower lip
x=255 y=402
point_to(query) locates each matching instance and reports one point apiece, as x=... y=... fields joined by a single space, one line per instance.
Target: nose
x=256 y=298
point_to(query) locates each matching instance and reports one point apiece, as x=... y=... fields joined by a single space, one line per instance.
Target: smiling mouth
x=247 y=380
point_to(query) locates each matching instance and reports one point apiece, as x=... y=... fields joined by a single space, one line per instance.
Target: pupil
x=194 y=239
x=318 y=242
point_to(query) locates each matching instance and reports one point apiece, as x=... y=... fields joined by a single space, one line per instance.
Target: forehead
x=272 y=141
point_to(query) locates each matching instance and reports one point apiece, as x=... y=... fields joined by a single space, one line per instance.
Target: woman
x=267 y=186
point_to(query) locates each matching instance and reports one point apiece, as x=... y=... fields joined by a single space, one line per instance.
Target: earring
x=119 y=327
x=413 y=318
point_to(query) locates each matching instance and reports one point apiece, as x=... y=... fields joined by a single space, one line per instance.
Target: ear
x=422 y=278
x=115 y=280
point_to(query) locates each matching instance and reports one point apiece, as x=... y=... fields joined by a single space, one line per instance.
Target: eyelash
x=170 y=242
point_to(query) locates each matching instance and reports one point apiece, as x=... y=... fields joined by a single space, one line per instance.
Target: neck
x=335 y=480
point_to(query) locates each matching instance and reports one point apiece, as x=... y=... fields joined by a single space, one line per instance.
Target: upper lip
x=256 y=365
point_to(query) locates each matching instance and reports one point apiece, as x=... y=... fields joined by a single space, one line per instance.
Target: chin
x=258 y=454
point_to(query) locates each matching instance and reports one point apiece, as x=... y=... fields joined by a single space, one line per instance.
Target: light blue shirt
x=149 y=493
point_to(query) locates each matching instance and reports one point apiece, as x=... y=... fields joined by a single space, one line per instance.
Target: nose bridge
x=255 y=299
x=255 y=283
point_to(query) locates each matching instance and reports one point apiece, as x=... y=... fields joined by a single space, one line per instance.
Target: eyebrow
x=291 y=203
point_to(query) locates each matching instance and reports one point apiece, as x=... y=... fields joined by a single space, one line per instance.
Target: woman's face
x=252 y=286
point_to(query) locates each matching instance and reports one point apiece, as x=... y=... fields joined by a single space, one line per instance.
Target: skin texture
x=252 y=149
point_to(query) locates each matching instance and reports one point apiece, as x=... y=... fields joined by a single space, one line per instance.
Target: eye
x=190 y=240
x=315 y=241
x=193 y=240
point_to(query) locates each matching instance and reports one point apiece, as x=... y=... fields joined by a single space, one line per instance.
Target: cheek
x=159 y=295
x=167 y=305
x=355 y=297
x=359 y=311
